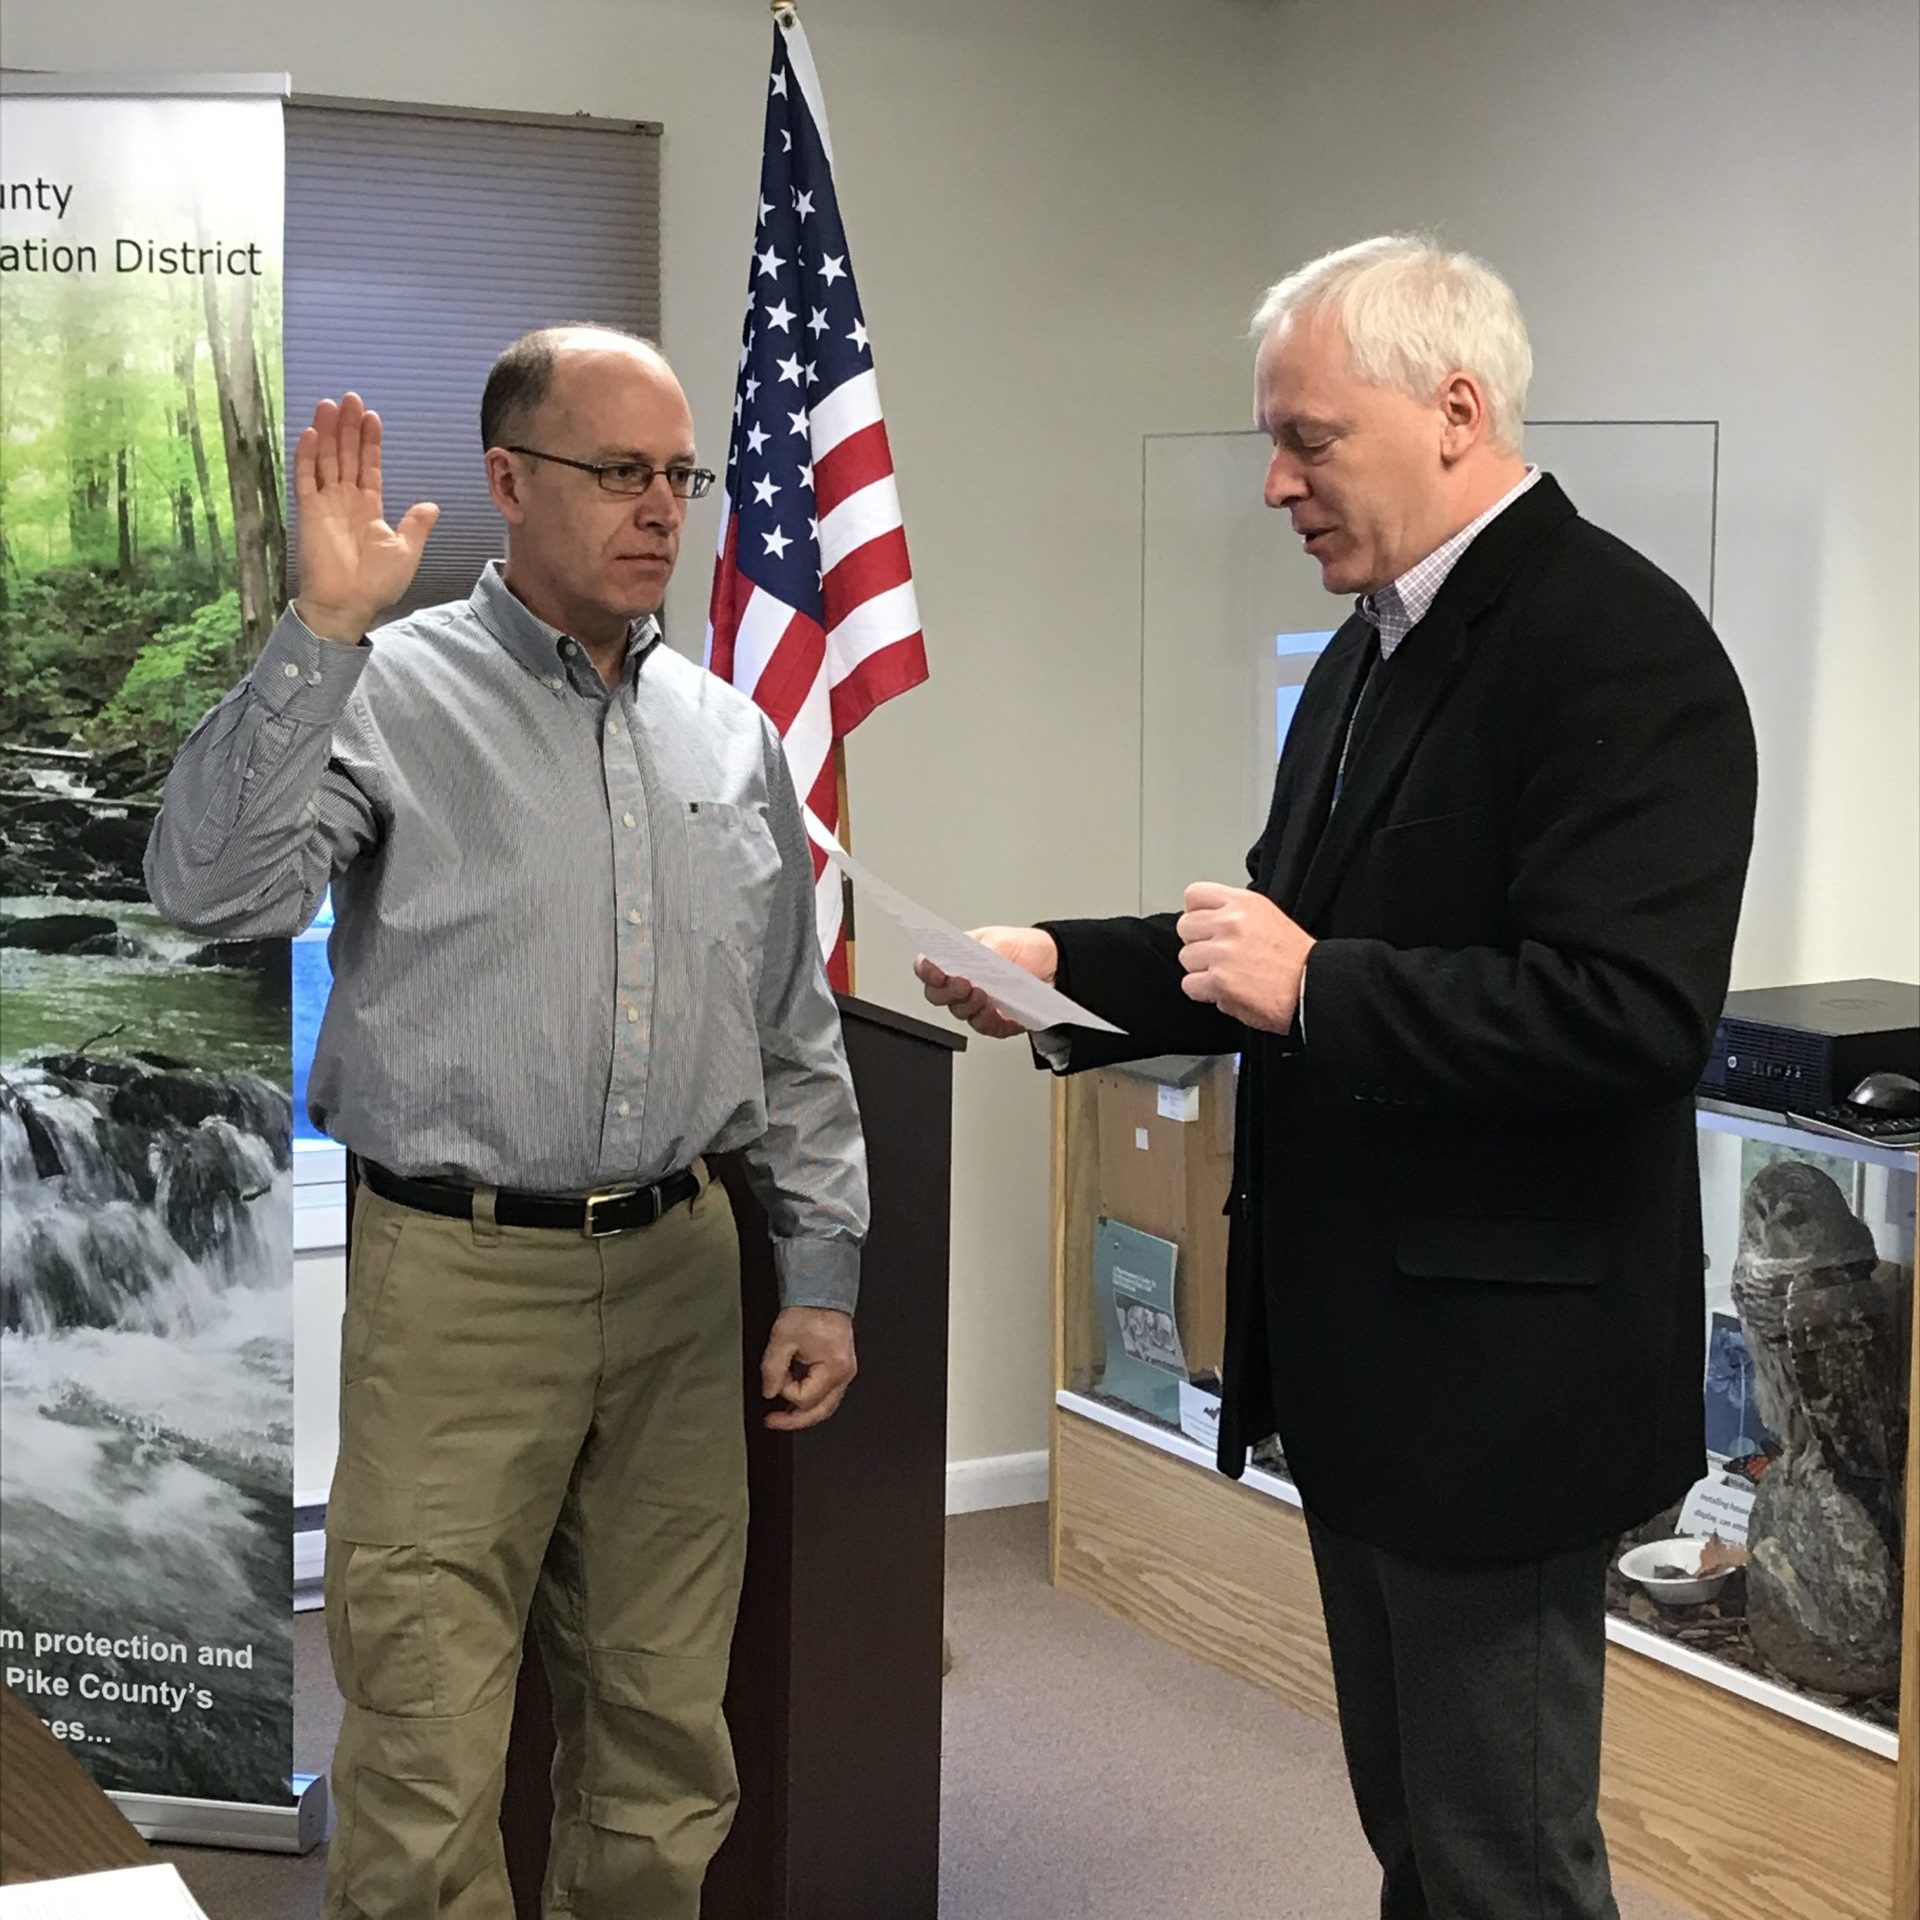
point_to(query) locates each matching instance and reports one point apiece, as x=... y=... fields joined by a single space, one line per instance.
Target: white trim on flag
x=880 y=622
x=817 y=830
x=807 y=74
x=860 y=517
x=828 y=897
x=829 y=906
x=809 y=740
x=852 y=405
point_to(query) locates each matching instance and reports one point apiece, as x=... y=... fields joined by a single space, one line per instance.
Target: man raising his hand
x=573 y=954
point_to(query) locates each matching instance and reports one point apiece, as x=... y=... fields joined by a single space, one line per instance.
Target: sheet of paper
x=1718 y=1504
x=125 y=1893
x=1012 y=989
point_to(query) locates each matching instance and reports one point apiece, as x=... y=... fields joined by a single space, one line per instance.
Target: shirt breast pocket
x=733 y=870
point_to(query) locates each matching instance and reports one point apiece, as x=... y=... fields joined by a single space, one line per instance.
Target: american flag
x=813 y=611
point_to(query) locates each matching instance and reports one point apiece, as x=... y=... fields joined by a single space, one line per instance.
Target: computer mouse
x=1896 y=1094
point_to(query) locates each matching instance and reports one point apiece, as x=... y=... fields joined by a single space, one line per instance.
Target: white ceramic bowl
x=1687 y=1590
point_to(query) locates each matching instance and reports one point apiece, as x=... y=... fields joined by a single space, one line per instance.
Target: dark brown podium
x=834 y=1697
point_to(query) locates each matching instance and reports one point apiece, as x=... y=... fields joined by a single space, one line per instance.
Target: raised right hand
x=1026 y=947
x=352 y=564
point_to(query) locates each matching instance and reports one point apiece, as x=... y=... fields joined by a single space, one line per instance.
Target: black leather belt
x=615 y=1210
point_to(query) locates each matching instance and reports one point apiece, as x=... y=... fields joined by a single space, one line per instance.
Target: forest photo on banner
x=146 y=1353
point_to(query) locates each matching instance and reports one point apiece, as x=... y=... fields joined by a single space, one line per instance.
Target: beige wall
x=1708 y=210
x=1060 y=214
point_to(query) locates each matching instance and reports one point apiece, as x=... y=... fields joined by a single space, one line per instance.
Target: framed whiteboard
x=1232 y=612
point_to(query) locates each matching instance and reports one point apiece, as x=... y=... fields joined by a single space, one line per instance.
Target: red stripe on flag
x=858 y=461
x=791 y=670
x=837 y=977
x=894 y=669
x=731 y=592
x=877 y=567
x=824 y=800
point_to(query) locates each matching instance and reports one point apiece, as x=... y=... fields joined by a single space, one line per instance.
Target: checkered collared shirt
x=1393 y=611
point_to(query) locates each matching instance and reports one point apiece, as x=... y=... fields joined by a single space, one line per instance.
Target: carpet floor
x=1083 y=1771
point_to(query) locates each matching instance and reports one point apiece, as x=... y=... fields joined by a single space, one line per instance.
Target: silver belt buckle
x=591 y=1229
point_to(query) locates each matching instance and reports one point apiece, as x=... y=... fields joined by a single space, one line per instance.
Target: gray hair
x=1412 y=314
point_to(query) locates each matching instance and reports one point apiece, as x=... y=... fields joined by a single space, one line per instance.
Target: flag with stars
x=813 y=613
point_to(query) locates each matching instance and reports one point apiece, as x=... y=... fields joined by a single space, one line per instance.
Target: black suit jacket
x=1465 y=1278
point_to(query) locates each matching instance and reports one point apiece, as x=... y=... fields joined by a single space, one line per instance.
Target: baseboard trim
x=999 y=1480
x=309 y=1560
x=973 y=1486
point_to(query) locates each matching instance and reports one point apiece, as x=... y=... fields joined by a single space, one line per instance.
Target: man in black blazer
x=1472 y=984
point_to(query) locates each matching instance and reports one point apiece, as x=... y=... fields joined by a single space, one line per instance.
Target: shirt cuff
x=302 y=677
x=1052 y=1048
x=818 y=1273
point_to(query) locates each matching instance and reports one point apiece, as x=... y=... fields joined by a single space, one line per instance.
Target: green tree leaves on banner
x=142 y=532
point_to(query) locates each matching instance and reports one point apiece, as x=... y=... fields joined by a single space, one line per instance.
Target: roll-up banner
x=146 y=1262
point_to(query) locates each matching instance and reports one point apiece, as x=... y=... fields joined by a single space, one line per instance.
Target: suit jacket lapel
x=1416 y=680
x=1316 y=751
x=1421 y=673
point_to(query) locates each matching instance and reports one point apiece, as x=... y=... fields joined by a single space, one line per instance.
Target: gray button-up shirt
x=573 y=940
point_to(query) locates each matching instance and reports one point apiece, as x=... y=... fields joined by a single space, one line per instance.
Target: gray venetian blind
x=418 y=244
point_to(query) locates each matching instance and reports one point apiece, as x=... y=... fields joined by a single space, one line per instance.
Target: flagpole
x=779 y=7
x=846 y=840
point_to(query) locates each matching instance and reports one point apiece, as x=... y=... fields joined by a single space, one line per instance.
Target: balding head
x=523 y=376
x=572 y=415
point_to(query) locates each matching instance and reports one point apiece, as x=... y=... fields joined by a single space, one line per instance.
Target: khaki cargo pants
x=533 y=1420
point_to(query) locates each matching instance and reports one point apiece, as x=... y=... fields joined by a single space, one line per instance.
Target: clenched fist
x=808 y=1366
x=1242 y=955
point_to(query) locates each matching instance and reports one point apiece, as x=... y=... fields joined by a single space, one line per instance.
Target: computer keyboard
x=1850 y=1123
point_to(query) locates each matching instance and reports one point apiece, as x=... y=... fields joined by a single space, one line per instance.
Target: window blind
x=419 y=242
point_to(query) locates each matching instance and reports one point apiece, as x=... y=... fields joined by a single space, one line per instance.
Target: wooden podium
x=834 y=1696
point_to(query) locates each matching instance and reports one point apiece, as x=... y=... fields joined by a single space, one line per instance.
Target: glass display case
x=1801 y=1508
x=1143 y=1317
x=1778 y=1662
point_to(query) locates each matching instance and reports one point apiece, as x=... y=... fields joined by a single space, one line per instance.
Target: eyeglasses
x=631 y=476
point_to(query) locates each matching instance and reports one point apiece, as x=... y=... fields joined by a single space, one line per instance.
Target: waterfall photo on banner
x=146 y=1266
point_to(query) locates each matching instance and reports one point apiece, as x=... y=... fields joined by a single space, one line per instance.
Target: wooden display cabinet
x=1734 y=1796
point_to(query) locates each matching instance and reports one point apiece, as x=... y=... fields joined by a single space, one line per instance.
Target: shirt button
x=627 y=820
x=291 y=671
x=633 y=914
x=625 y=1107
x=553 y=683
x=613 y=727
x=633 y=1015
